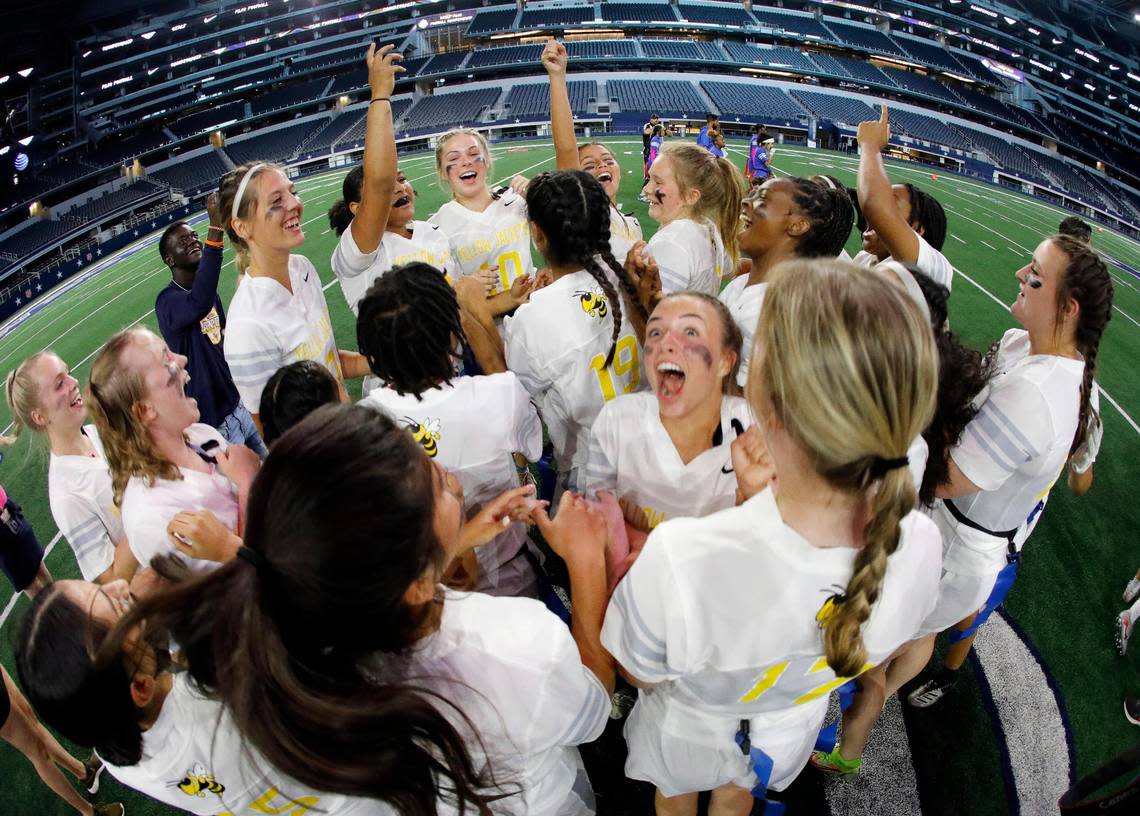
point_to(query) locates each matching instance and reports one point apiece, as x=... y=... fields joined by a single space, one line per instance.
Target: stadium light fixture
x=1009 y=20
x=1066 y=76
x=1090 y=87
x=27 y=140
x=1034 y=31
x=86 y=54
x=1136 y=17
x=25 y=72
x=1133 y=77
x=4 y=150
x=4 y=79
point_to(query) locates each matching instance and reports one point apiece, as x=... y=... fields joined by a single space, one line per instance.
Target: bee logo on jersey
x=426 y=434
x=198 y=783
x=828 y=609
x=593 y=302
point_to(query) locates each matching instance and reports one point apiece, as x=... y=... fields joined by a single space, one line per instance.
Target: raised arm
x=876 y=198
x=554 y=60
x=379 y=151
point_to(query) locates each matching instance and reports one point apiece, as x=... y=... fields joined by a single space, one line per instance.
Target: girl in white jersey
x=408 y=329
x=593 y=158
x=345 y=663
x=162 y=460
x=156 y=731
x=904 y=223
x=1034 y=415
x=780 y=219
x=666 y=454
x=278 y=313
x=573 y=346
x=819 y=580
x=43 y=397
x=375 y=216
x=695 y=198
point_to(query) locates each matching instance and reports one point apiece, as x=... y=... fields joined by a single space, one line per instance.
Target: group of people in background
x=767 y=471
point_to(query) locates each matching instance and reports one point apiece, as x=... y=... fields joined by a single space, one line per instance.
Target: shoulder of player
x=688 y=539
x=618 y=411
x=516 y=630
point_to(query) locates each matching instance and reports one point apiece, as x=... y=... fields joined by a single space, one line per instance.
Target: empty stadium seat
x=505 y=55
x=716 y=14
x=442 y=63
x=835 y=108
x=686 y=50
x=667 y=97
x=921 y=84
x=638 y=12
x=579 y=50
x=491 y=22
x=192 y=175
x=115 y=202
x=926 y=128
x=291 y=95
x=777 y=57
x=34 y=237
x=752 y=101
x=864 y=39
x=805 y=25
x=532 y=101
x=550 y=18
x=443 y=111
x=277 y=145
x=209 y=119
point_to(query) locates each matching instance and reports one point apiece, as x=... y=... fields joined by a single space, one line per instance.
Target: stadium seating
x=334 y=131
x=833 y=108
x=35 y=237
x=532 y=101
x=194 y=174
x=860 y=71
x=579 y=50
x=778 y=57
x=801 y=25
x=447 y=110
x=114 y=202
x=1006 y=154
x=354 y=136
x=442 y=63
x=716 y=14
x=921 y=85
x=926 y=128
x=491 y=22
x=210 y=119
x=927 y=52
x=505 y=55
x=114 y=150
x=864 y=39
x=682 y=50
x=276 y=145
x=666 y=97
x=751 y=102
x=638 y=12
x=291 y=95
x=555 y=17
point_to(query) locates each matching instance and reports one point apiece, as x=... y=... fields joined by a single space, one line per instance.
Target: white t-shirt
x=472 y=427
x=933 y=263
x=722 y=612
x=498 y=236
x=1014 y=450
x=744 y=303
x=357 y=270
x=147 y=509
x=690 y=256
x=625 y=231
x=632 y=456
x=82 y=504
x=512 y=667
x=194 y=759
x=557 y=345
x=864 y=258
x=268 y=327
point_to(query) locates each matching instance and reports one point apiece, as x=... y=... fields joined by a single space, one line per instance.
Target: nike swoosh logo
x=306 y=277
x=725 y=469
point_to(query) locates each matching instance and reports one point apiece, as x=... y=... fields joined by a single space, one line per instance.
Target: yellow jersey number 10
x=625 y=364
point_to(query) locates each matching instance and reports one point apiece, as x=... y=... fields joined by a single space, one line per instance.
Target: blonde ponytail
x=721 y=187
x=849 y=367
x=22 y=393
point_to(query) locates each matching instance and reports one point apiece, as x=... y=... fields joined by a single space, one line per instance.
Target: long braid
x=927 y=212
x=573 y=211
x=829 y=209
x=1086 y=281
x=407 y=328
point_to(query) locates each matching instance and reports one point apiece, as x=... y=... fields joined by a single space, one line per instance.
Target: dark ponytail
x=86 y=700
x=926 y=213
x=1087 y=281
x=340 y=216
x=573 y=211
x=298 y=640
x=828 y=206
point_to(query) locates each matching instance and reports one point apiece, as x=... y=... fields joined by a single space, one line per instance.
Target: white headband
x=242 y=185
x=825 y=181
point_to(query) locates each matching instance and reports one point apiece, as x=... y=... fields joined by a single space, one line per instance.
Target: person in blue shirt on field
x=758 y=164
x=193 y=324
x=717 y=148
x=712 y=122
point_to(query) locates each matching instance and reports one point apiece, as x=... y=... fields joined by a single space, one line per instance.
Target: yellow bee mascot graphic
x=825 y=612
x=198 y=783
x=593 y=302
x=426 y=434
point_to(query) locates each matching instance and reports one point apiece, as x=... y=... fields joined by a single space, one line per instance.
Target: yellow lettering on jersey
x=769 y=678
x=652 y=517
x=625 y=362
x=826 y=688
x=267 y=803
x=473 y=250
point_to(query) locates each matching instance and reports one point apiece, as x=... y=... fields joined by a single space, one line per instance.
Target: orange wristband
x=217 y=244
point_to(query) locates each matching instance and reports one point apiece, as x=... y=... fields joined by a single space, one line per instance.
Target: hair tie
x=882 y=466
x=825 y=181
x=242 y=185
x=252 y=557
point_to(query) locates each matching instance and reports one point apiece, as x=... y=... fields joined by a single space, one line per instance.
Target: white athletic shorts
x=959 y=596
x=668 y=748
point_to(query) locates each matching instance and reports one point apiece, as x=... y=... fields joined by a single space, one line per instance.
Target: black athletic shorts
x=20 y=552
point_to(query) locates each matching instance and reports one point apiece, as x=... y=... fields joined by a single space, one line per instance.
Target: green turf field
x=1064 y=602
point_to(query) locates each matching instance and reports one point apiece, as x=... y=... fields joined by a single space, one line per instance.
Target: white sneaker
x=1123 y=631
x=1132 y=591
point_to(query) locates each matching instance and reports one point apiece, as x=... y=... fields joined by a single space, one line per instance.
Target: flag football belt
x=1005 y=578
